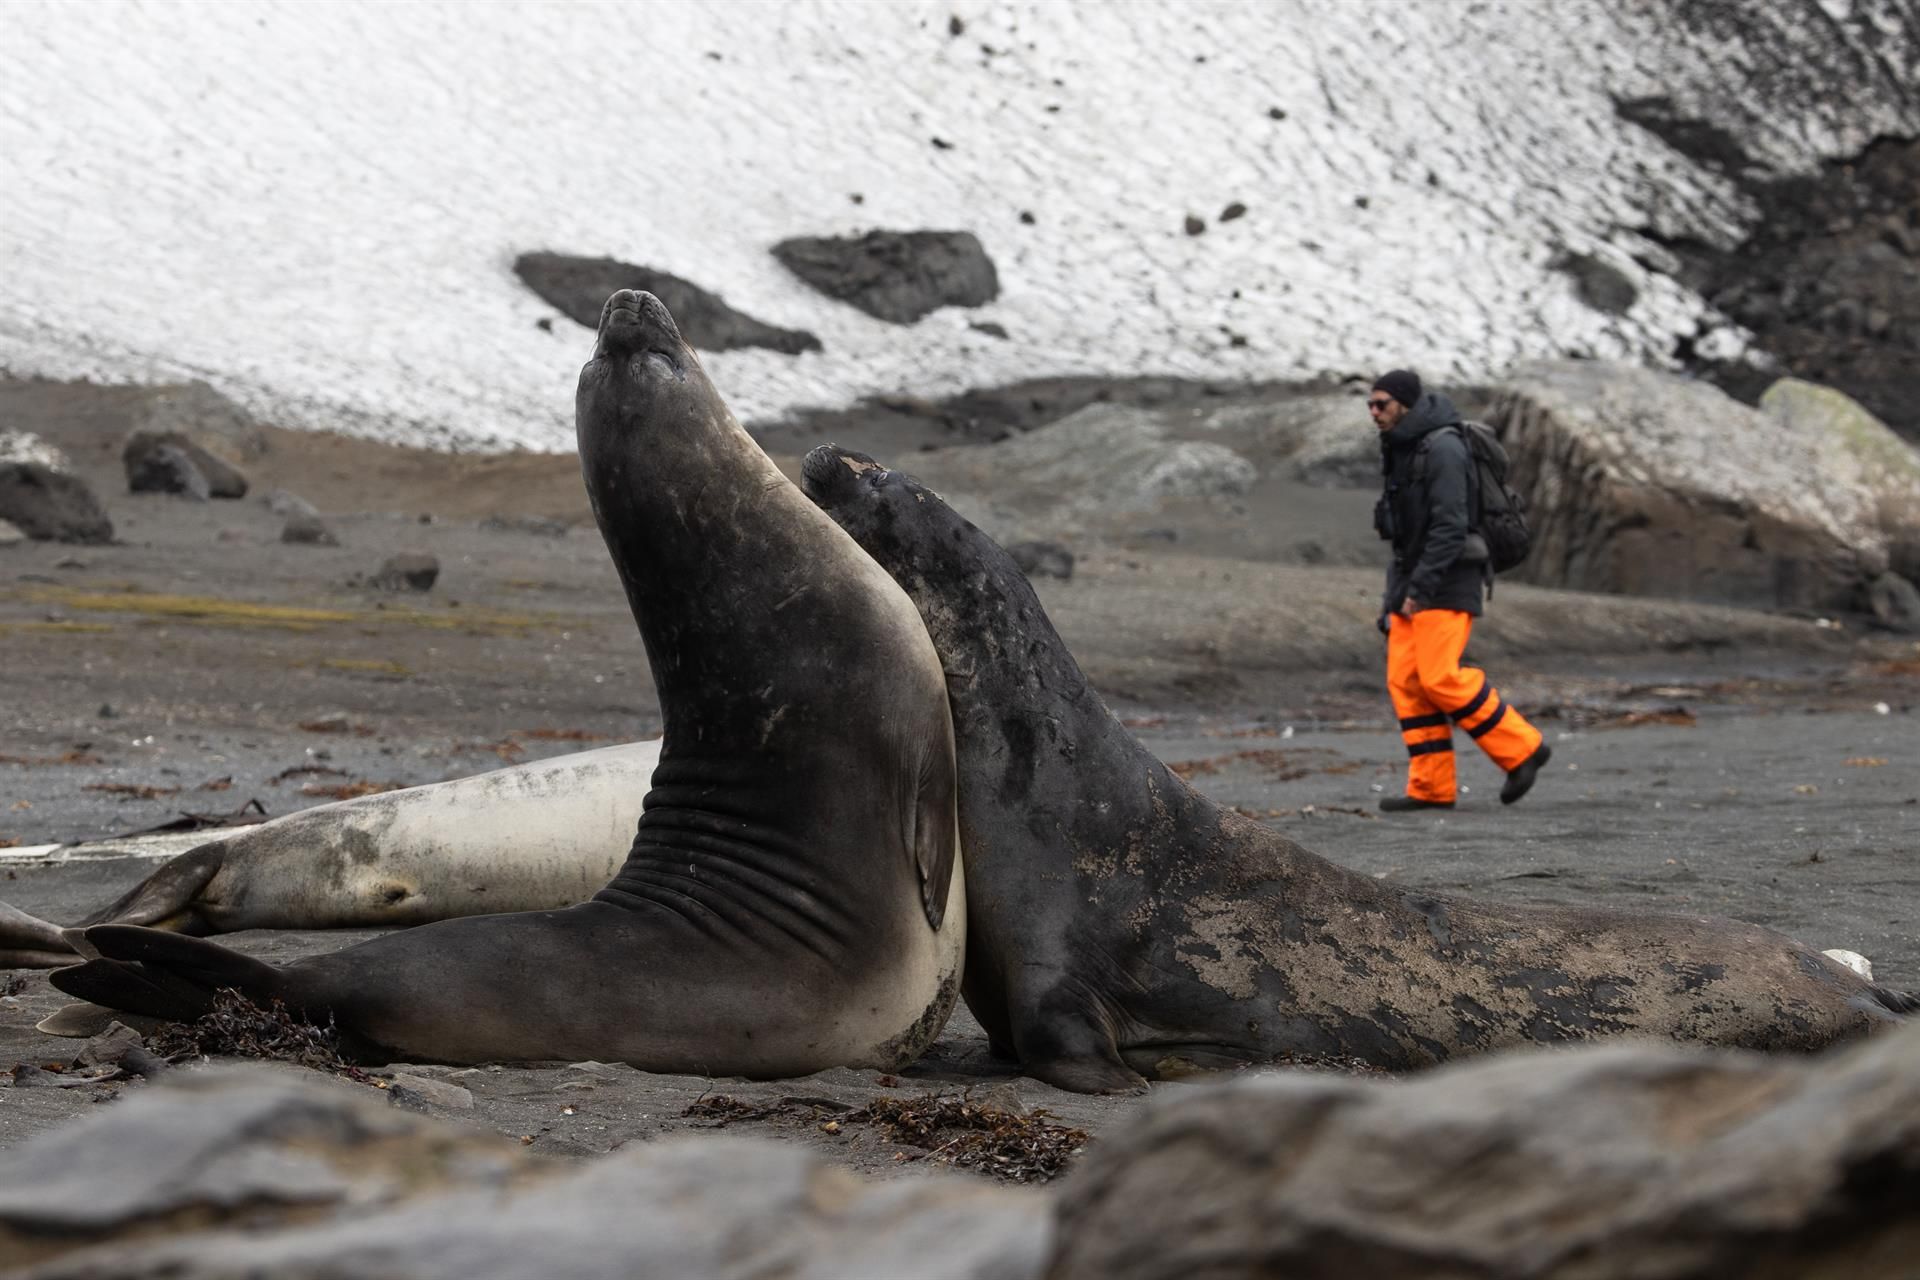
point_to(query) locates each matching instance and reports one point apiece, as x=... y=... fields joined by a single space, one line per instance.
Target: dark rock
x=1026 y=217
x=578 y=287
x=894 y=275
x=1195 y=225
x=230 y=1173
x=1042 y=559
x=309 y=530
x=51 y=506
x=956 y=25
x=1826 y=279
x=197 y=413
x=1233 y=211
x=1641 y=1160
x=1894 y=602
x=1601 y=285
x=153 y=460
x=412 y=571
x=165 y=468
x=990 y=328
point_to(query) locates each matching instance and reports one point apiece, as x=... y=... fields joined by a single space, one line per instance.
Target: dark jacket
x=1430 y=502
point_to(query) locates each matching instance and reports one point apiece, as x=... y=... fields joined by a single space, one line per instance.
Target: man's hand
x=1409 y=607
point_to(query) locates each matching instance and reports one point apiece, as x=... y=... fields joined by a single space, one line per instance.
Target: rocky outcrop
x=249 y=1172
x=579 y=287
x=897 y=276
x=1856 y=444
x=1644 y=483
x=1104 y=463
x=51 y=505
x=1627 y=1160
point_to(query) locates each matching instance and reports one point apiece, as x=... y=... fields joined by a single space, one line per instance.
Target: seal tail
x=163 y=975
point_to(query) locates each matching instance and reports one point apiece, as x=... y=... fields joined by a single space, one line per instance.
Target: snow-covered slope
x=316 y=206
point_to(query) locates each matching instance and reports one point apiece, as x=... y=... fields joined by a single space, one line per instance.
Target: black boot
x=1407 y=804
x=1520 y=781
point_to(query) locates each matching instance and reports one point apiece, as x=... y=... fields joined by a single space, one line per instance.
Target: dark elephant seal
x=1119 y=920
x=794 y=897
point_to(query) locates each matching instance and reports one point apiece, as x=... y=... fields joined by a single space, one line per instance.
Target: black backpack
x=1499 y=514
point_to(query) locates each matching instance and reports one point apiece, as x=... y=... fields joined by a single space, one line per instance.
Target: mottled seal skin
x=793 y=899
x=1120 y=924
x=527 y=838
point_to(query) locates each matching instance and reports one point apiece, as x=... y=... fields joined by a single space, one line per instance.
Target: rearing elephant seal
x=794 y=898
x=1119 y=919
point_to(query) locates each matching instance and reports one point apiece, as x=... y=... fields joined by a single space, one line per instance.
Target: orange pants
x=1430 y=689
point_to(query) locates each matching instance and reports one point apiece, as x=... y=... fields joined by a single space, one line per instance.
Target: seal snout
x=829 y=472
x=633 y=320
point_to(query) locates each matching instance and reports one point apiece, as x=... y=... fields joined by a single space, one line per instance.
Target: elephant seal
x=794 y=897
x=1119 y=920
x=534 y=836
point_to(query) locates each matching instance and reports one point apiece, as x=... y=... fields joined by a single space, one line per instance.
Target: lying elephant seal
x=538 y=835
x=794 y=899
x=1118 y=919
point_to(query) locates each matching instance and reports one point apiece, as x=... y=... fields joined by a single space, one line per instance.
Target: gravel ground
x=199 y=664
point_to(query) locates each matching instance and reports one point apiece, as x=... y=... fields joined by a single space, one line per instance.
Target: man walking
x=1434 y=591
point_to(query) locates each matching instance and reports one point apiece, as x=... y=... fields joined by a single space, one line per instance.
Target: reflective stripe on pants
x=1432 y=693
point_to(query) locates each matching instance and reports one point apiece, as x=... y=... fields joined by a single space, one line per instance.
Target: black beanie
x=1402 y=384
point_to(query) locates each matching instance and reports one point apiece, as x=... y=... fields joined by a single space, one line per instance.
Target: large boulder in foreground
x=254 y=1172
x=1642 y=1160
x=897 y=276
x=1645 y=483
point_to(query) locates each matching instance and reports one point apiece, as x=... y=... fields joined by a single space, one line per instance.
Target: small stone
x=1195 y=225
x=283 y=503
x=413 y=571
x=539 y=526
x=416 y=1093
x=107 y=712
x=107 y=1048
x=990 y=328
x=308 y=530
x=166 y=469
x=1232 y=211
x=1026 y=217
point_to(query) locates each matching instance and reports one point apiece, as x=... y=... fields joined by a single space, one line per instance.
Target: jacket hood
x=1433 y=412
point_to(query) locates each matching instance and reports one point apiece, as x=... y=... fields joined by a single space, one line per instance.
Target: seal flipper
x=28 y=942
x=162 y=974
x=1071 y=1048
x=162 y=900
x=935 y=836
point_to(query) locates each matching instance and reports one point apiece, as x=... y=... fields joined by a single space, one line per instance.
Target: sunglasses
x=1375 y=406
